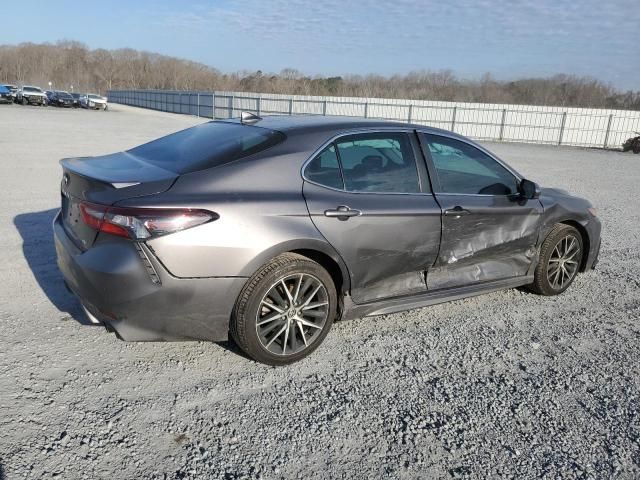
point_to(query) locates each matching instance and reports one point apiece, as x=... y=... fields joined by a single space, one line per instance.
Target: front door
x=489 y=231
x=371 y=200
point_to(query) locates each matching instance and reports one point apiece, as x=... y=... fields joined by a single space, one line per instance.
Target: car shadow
x=40 y=252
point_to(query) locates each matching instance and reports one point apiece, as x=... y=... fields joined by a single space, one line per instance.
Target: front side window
x=464 y=169
x=378 y=162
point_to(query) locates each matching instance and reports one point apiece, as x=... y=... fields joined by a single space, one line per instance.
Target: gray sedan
x=271 y=229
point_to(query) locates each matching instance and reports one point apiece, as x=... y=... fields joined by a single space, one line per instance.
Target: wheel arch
x=316 y=250
x=586 y=241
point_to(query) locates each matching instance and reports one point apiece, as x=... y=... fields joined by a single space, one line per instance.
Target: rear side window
x=325 y=169
x=205 y=146
x=378 y=162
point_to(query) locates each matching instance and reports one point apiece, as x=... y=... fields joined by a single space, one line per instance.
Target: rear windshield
x=205 y=146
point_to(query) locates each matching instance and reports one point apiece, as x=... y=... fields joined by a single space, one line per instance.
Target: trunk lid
x=106 y=180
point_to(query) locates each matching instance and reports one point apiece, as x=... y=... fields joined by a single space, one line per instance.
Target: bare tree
x=68 y=62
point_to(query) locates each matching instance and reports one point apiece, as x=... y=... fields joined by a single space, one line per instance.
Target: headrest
x=373 y=162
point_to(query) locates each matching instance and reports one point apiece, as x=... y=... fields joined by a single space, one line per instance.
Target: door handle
x=456 y=212
x=342 y=213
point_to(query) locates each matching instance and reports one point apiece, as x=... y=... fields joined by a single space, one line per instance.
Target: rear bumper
x=115 y=283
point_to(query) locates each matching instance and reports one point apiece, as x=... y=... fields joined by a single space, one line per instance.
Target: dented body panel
x=388 y=247
x=495 y=239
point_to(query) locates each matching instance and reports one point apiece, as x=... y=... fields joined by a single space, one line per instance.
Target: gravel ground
x=504 y=385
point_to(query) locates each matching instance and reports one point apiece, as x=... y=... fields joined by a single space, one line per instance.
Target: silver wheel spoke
x=297 y=292
x=288 y=293
x=310 y=297
x=306 y=323
x=275 y=316
x=286 y=337
x=272 y=306
x=304 y=338
x=315 y=305
x=277 y=334
x=278 y=297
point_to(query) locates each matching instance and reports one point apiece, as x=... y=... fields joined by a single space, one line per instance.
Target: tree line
x=68 y=63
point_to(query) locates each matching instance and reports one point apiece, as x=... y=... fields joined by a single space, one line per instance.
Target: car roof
x=310 y=123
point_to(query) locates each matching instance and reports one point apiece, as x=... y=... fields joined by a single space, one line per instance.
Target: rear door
x=372 y=201
x=489 y=232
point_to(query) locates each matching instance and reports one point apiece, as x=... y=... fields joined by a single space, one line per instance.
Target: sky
x=508 y=38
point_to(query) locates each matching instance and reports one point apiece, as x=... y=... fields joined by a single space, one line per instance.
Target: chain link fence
x=509 y=123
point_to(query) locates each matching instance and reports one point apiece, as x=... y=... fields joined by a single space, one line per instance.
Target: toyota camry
x=269 y=229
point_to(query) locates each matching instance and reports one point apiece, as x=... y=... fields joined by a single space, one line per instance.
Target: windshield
x=206 y=146
x=31 y=89
x=64 y=95
x=96 y=97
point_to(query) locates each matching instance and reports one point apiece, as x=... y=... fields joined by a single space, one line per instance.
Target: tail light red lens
x=142 y=223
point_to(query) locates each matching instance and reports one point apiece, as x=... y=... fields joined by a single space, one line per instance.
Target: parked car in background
x=270 y=229
x=30 y=95
x=13 y=89
x=5 y=95
x=76 y=99
x=93 y=101
x=60 y=98
x=632 y=144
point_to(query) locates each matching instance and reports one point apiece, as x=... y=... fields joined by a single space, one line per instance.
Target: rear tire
x=559 y=262
x=284 y=311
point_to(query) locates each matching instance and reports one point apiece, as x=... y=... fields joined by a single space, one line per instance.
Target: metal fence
x=510 y=123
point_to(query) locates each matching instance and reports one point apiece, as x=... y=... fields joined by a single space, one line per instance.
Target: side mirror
x=529 y=189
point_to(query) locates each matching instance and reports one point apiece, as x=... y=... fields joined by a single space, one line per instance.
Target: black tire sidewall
x=247 y=310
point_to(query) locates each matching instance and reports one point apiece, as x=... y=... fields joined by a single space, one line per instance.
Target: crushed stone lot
x=508 y=384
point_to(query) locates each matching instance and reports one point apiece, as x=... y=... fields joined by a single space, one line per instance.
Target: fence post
x=324 y=108
x=198 y=105
x=410 y=113
x=258 y=101
x=606 y=136
x=291 y=106
x=213 y=105
x=564 y=119
x=504 y=114
x=231 y=106
x=453 y=118
x=366 y=109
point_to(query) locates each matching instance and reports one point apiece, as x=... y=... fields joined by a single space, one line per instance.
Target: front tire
x=285 y=310
x=559 y=262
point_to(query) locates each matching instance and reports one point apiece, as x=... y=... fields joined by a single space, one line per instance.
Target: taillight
x=142 y=223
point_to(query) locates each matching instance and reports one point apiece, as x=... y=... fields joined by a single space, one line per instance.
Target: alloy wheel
x=292 y=314
x=563 y=262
